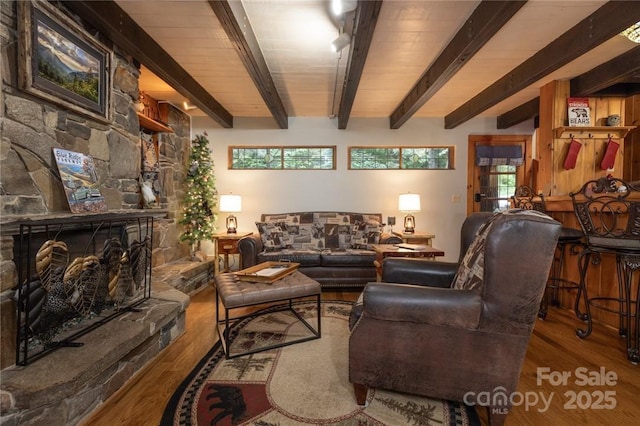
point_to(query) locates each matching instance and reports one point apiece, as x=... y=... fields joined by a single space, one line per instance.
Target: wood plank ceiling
x=424 y=58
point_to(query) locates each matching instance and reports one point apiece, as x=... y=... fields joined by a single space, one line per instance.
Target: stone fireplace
x=67 y=384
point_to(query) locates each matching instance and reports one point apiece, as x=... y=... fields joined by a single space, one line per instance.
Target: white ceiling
x=294 y=37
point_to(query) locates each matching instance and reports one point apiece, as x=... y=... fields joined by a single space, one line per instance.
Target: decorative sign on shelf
x=579 y=112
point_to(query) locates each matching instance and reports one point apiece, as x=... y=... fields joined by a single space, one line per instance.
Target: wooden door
x=489 y=187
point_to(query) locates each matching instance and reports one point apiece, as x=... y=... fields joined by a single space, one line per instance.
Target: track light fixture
x=339 y=7
x=341 y=42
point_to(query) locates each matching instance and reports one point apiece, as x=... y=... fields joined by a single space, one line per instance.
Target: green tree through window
x=287 y=158
x=409 y=158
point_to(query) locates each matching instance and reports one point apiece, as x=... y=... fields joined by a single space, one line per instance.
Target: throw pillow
x=365 y=233
x=274 y=235
x=471 y=270
x=333 y=229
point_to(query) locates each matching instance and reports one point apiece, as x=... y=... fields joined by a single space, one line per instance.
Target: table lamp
x=230 y=203
x=409 y=203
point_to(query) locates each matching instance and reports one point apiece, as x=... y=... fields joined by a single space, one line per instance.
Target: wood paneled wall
x=632 y=141
x=556 y=183
x=553 y=145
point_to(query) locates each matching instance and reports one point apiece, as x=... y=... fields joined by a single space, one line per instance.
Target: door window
x=497 y=185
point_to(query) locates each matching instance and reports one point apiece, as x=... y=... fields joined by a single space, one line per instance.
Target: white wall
x=277 y=191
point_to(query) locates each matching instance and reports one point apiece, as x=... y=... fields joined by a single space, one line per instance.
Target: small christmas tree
x=201 y=198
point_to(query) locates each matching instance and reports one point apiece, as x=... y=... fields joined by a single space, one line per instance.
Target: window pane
x=425 y=158
x=308 y=158
x=498 y=184
x=417 y=158
x=374 y=158
x=291 y=158
x=256 y=158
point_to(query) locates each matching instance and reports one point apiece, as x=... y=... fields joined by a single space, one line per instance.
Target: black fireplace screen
x=75 y=277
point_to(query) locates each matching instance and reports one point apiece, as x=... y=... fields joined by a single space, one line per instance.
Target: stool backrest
x=525 y=198
x=608 y=211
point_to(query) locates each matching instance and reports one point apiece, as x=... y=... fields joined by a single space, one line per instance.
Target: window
x=498 y=184
x=283 y=158
x=407 y=158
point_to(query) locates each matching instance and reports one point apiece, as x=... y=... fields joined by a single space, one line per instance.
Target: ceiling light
x=338 y=7
x=341 y=42
x=632 y=33
x=187 y=106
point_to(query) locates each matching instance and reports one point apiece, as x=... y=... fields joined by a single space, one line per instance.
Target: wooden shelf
x=593 y=132
x=153 y=125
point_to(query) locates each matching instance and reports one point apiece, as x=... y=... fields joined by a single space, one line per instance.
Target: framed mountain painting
x=62 y=63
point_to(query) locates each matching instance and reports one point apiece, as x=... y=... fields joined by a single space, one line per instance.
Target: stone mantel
x=10 y=225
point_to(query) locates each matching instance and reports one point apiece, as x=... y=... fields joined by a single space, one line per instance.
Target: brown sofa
x=331 y=247
x=458 y=342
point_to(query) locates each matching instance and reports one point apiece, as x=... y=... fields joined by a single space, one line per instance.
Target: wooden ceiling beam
x=485 y=21
x=606 y=22
x=618 y=70
x=623 y=90
x=366 y=19
x=519 y=114
x=617 y=77
x=230 y=13
x=108 y=18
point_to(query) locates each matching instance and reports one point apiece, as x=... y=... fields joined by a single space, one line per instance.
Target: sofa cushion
x=366 y=232
x=304 y=257
x=348 y=257
x=274 y=235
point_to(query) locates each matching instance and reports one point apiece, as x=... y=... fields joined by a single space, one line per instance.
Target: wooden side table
x=227 y=244
x=416 y=238
x=390 y=250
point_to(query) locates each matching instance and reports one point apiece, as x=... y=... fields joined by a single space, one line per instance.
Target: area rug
x=302 y=384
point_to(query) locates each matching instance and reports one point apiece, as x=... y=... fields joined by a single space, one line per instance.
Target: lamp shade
x=409 y=202
x=230 y=203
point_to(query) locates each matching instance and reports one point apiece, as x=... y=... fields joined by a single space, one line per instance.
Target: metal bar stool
x=570 y=238
x=608 y=210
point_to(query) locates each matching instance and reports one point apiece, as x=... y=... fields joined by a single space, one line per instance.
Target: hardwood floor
x=553 y=346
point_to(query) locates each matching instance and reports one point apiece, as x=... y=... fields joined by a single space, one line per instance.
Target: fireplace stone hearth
x=67 y=385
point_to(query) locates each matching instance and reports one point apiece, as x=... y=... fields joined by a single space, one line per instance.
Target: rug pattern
x=303 y=384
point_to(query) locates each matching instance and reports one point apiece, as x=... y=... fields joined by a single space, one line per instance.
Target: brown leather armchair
x=454 y=343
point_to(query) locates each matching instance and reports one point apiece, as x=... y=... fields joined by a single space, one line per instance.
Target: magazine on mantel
x=80 y=180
